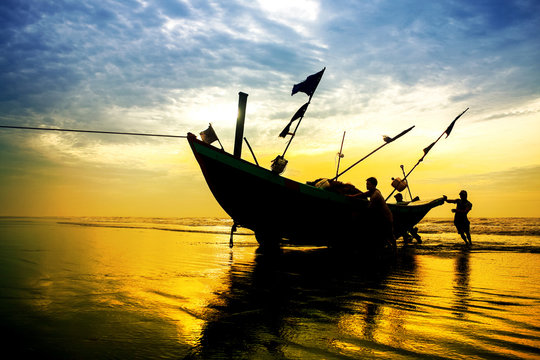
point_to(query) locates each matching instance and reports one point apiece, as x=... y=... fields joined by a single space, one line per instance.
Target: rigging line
x=91 y=131
x=340 y=154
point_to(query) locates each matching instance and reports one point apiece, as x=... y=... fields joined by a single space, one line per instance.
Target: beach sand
x=87 y=292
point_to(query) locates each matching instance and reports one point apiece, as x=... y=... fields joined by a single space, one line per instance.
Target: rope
x=91 y=131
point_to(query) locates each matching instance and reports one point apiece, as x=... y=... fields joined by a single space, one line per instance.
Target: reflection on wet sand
x=461 y=284
x=89 y=292
x=299 y=302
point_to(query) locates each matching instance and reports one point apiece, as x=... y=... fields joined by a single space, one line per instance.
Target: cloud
x=172 y=66
x=515 y=179
x=438 y=42
x=92 y=64
x=298 y=15
x=512 y=113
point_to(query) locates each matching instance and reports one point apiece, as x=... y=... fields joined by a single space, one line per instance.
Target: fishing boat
x=281 y=210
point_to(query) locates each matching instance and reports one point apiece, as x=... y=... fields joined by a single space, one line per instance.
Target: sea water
x=146 y=288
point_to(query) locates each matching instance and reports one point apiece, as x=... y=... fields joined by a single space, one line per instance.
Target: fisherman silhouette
x=382 y=223
x=410 y=233
x=462 y=223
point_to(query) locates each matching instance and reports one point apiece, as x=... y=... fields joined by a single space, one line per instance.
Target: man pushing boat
x=462 y=223
x=382 y=219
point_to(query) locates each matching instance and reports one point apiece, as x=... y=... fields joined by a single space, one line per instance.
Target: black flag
x=299 y=113
x=426 y=150
x=309 y=85
x=451 y=126
x=285 y=131
x=449 y=129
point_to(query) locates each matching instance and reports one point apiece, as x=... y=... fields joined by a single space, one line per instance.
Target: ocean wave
x=479 y=226
x=510 y=227
x=483 y=231
x=485 y=226
x=151 y=227
x=183 y=221
x=448 y=242
x=438 y=248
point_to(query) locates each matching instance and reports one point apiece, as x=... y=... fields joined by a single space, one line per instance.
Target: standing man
x=381 y=214
x=462 y=223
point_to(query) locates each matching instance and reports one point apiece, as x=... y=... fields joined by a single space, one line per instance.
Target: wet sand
x=71 y=291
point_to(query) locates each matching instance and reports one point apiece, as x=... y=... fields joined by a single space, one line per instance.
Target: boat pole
x=406 y=176
x=340 y=153
x=408 y=188
x=388 y=141
x=239 y=135
x=307 y=86
x=250 y=149
x=428 y=148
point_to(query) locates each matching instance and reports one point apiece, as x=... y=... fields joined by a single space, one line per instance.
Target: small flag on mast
x=426 y=150
x=209 y=135
x=309 y=85
x=299 y=113
x=449 y=129
x=451 y=126
x=286 y=131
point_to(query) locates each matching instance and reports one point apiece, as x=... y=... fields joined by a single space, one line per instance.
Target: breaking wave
x=438 y=234
x=486 y=226
x=186 y=225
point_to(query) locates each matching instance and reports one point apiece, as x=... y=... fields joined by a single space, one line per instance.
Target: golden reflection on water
x=147 y=272
x=434 y=305
x=192 y=290
x=167 y=279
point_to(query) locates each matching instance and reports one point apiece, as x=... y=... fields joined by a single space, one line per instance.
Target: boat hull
x=280 y=209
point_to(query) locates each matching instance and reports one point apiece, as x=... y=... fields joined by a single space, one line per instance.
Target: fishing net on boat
x=334 y=186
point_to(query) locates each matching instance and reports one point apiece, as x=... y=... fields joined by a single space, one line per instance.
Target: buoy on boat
x=278 y=164
x=399 y=184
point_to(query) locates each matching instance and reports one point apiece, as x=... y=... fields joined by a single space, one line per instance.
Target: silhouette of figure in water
x=462 y=223
x=382 y=220
x=410 y=233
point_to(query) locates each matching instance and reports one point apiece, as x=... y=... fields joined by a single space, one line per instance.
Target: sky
x=172 y=67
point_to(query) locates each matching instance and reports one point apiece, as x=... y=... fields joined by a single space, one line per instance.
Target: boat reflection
x=296 y=303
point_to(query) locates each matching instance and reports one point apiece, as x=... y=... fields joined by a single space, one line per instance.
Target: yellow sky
x=89 y=175
x=163 y=67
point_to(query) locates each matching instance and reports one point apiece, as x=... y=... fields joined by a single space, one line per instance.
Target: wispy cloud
x=87 y=54
x=172 y=66
x=142 y=65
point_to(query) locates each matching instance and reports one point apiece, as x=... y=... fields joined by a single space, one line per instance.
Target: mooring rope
x=90 y=131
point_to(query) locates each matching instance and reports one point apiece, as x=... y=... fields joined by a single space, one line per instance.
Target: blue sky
x=173 y=66
x=69 y=56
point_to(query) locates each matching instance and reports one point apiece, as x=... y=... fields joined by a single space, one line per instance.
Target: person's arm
x=468 y=207
x=452 y=201
x=360 y=195
x=463 y=211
